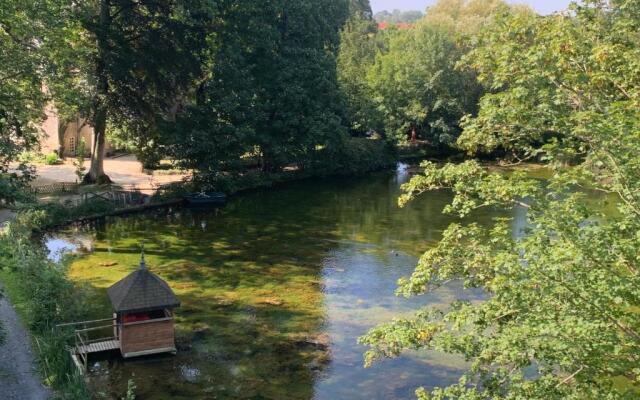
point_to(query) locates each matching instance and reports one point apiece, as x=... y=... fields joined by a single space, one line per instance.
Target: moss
x=250 y=278
x=237 y=307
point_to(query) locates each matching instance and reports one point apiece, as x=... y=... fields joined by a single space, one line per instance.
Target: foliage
x=561 y=319
x=269 y=89
x=131 y=390
x=415 y=86
x=27 y=157
x=3 y=333
x=37 y=217
x=51 y=159
x=397 y=16
x=21 y=98
x=145 y=142
x=361 y=9
x=359 y=45
x=404 y=82
x=354 y=156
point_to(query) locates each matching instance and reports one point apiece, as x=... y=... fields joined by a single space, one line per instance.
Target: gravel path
x=124 y=170
x=19 y=379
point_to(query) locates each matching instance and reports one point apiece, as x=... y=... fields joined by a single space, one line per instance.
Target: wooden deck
x=132 y=339
x=84 y=345
x=97 y=347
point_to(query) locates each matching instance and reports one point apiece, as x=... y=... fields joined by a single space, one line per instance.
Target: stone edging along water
x=117 y=212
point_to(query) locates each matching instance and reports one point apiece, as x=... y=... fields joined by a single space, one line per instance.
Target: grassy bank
x=44 y=297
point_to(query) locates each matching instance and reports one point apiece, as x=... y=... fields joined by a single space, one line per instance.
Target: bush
x=52 y=159
x=28 y=157
x=131 y=390
x=42 y=216
x=355 y=156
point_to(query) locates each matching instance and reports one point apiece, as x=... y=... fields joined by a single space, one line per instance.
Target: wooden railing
x=120 y=198
x=123 y=194
x=84 y=356
x=82 y=339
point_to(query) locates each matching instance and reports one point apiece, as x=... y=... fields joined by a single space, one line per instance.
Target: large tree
x=403 y=81
x=216 y=126
x=22 y=99
x=468 y=17
x=270 y=89
x=126 y=63
x=561 y=319
x=360 y=8
x=299 y=95
x=416 y=88
x=359 y=45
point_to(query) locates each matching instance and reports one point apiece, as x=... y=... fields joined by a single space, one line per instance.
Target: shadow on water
x=275 y=290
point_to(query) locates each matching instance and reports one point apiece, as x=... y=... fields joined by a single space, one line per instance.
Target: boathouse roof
x=140 y=291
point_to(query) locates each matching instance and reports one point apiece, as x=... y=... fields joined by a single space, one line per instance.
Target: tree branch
x=568 y=378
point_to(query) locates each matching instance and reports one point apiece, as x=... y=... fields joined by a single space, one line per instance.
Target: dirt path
x=19 y=379
x=122 y=170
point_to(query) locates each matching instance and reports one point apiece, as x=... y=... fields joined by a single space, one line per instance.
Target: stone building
x=66 y=143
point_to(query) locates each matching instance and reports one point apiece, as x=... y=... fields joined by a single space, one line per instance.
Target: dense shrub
x=355 y=156
x=52 y=159
x=41 y=216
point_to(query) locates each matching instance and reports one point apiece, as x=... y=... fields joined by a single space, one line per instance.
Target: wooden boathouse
x=142 y=321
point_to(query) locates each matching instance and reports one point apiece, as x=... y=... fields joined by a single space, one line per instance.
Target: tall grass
x=44 y=298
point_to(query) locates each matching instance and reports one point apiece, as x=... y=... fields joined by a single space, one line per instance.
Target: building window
x=72 y=145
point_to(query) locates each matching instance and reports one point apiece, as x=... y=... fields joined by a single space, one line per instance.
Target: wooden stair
x=97 y=347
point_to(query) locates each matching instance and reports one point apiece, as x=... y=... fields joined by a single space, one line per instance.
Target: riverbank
x=359 y=157
x=44 y=296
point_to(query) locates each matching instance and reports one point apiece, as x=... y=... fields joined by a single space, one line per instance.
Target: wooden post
x=116 y=332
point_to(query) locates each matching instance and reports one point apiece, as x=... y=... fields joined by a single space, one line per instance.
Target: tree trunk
x=62 y=128
x=96 y=172
x=414 y=135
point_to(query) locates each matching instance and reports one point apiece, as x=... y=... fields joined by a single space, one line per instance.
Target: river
x=276 y=288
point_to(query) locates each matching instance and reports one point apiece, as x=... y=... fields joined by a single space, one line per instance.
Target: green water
x=275 y=289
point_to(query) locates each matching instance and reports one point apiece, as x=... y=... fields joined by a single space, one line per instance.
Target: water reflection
x=74 y=243
x=277 y=287
x=58 y=247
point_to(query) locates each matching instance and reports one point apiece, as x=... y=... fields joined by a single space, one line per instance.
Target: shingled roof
x=142 y=290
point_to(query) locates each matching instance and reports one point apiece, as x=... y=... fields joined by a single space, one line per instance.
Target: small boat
x=206 y=199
